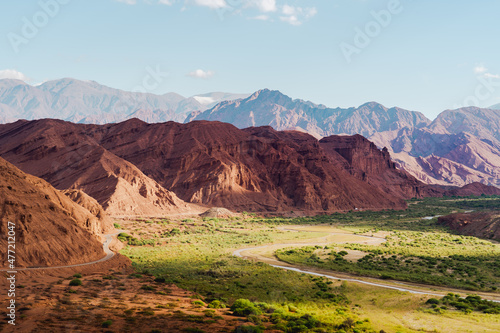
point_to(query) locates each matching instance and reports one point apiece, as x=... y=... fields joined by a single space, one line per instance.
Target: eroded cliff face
x=104 y=224
x=361 y=158
x=360 y=154
x=51 y=229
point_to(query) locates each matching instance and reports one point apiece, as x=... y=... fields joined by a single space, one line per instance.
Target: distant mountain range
x=459 y=147
x=89 y=102
x=272 y=108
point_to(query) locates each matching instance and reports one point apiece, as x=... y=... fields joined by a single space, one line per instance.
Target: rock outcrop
x=50 y=229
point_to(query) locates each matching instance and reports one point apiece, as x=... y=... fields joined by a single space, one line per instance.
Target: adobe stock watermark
x=11 y=272
x=363 y=36
x=31 y=26
x=152 y=80
x=484 y=91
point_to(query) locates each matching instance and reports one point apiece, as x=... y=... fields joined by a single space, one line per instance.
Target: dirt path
x=105 y=246
x=265 y=254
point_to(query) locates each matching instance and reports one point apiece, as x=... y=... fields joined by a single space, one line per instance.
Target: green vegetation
x=196 y=255
x=431 y=257
x=124 y=237
x=416 y=249
x=468 y=304
x=75 y=282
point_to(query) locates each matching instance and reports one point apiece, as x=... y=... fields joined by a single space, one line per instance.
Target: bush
x=244 y=307
x=77 y=275
x=432 y=301
x=75 y=282
x=107 y=323
x=216 y=304
x=198 y=303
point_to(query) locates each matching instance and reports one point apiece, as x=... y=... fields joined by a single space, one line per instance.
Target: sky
x=424 y=55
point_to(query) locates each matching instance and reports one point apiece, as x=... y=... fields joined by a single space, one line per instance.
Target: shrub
x=432 y=301
x=244 y=307
x=77 y=275
x=198 y=303
x=216 y=304
x=75 y=282
x=107 y=323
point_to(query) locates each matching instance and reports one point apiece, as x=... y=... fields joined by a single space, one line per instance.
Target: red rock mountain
x=50 y=228
x=208 y=163
x=364 y=160
x=141 y=168
x=260 y=169
x=66 y=155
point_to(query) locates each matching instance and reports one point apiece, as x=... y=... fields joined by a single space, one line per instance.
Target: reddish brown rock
x=50 y=228
x=135 y=167
x=68 y=157
x=361 y=158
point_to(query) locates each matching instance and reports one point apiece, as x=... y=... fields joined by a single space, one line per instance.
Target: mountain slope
x=90 y=102
x=482 y=123
x=442 y=158
x=272 y=108
x=365 y=161
x=50 y=228
x=219 y=165
x=62 y=153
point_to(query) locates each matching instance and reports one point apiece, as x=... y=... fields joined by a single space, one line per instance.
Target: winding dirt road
x=265 y=254
x=105 y=246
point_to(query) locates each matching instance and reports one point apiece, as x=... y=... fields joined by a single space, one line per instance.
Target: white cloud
x=128 y=2
x=293 y=15
x=264 y=6
x=480 y=69
x=211 y=3
x=13 y=74
x=297 y=15
x=201 y=74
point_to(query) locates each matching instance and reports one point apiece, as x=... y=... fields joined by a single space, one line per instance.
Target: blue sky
x=420 y=55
